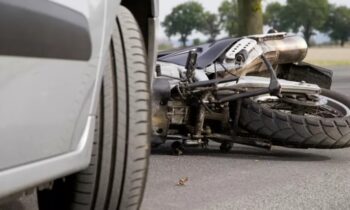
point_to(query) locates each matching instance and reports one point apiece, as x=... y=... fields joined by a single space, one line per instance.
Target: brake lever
x=275 y=86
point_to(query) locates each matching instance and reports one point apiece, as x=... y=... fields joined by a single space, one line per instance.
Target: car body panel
x=42 y=99
x=43 y=102
x=32 y=30
x=30 y=175
x=48 y=102
x=48 y=106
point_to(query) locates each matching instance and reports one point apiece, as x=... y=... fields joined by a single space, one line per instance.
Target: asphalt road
x=246 y=178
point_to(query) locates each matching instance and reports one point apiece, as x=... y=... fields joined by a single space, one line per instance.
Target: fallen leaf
x=182 y=181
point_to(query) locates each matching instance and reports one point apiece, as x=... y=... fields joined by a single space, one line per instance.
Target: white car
x=74 y=101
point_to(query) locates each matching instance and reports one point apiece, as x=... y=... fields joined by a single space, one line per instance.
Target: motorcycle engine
x=166 y=110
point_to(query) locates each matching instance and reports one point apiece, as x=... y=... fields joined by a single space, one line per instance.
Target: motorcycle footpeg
x=192 y=143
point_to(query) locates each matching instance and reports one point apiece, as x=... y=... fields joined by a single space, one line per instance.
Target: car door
x=50 y=61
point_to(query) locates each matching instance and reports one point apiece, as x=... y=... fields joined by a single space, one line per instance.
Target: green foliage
x=183 y=20
x=338 y=24
x=310 y=15
x=196 y=41
x=165 y=46
x=242 y=17
x=211 y=26
x=228 y=12
x=272 y=16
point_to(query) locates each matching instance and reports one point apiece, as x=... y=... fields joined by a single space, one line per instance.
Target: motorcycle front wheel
x=325 y=127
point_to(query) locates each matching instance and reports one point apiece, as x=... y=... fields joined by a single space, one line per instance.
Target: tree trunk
x=307 y=37
x=212 y=38
x=342 y=43
x=183 y=40
x=307 y=34
x=250 y=17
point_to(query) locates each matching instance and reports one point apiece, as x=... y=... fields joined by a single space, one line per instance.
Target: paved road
x=246 y=178
x=249 y=178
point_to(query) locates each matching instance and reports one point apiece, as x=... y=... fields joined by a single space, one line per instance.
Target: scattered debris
x=182 y=181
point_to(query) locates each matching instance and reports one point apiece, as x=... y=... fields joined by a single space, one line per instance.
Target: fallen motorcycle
x=253 y=90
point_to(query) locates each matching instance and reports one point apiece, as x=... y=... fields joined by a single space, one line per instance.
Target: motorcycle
x=252 y=90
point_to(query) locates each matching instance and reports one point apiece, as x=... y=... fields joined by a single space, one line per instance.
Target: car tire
x=115 y=178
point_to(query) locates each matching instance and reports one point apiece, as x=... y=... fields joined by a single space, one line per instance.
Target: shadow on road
x=238 y=152
x=14 y=205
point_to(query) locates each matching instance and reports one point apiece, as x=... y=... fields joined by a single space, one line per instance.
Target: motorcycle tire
x=297 y=131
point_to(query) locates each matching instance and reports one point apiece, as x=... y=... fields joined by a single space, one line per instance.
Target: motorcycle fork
x=234 y=115
x=200 y=118
x=198 y=129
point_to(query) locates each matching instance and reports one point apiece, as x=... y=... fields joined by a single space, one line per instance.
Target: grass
x=329 y=56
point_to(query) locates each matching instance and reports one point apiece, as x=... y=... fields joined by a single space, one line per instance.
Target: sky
x=165 y=7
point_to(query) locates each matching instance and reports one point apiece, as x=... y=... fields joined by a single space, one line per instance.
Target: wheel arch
x=144 y=16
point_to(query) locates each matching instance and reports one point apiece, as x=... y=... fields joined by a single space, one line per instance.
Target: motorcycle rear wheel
x=296 y=130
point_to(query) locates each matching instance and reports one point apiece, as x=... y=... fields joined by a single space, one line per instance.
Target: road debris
x=182 y=181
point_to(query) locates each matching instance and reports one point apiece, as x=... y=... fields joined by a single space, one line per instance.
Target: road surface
x=246 y=178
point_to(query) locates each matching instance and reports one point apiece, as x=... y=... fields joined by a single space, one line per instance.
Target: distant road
x=341 y=80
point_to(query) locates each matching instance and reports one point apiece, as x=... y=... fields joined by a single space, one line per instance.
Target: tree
x=183 y=20
x=211 y=26
x=305 y=15
x=250 y=17
x=272 y=16
x=338 y=24
x=228 y=12
x=196 y=41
